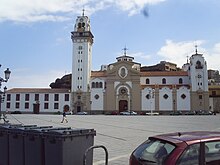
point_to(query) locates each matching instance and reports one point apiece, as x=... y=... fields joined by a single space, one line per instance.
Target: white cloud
x=60 y=10
x=212 y=57
x=177 y=52
x=141 y=57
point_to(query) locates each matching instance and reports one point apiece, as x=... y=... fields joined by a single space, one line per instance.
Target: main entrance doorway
x=123 y=105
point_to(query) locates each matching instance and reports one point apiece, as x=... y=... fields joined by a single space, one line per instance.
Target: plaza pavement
x=122 y=134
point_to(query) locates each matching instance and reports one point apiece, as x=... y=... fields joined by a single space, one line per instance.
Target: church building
x=125 y=86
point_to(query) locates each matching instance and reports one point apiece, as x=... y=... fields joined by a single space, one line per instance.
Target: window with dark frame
x=100 y=84
x=164 y=81
x=46 y=106
x=17 y=97
x=17 y=105
x=56 y=105
x=8 y=97
x=8 y=105
x=27 y=97
x=147 y=81
x=93 y=84
x=180 y=81
x=26 y=106
x=46 y=97
x=200 y=97
x=36 y=97
x=66 y=97
x=56 y=97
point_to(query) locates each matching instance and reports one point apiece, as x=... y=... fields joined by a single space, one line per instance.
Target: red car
x=185 y=148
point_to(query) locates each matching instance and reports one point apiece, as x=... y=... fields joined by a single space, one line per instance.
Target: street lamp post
x=151 y=96
x=2 y=94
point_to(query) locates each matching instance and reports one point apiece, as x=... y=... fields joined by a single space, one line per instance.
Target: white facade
x=148 y=99
x=97 y=94
x=198 y=73
x=82 y=54
x=165 y=99
x=24 y=100
x=183 y=99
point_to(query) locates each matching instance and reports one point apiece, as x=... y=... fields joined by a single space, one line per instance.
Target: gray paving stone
x=122 y=134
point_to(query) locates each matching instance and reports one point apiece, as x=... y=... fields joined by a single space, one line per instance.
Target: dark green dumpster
x=66 y=147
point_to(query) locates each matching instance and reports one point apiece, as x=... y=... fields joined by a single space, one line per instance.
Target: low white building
x=36 y=100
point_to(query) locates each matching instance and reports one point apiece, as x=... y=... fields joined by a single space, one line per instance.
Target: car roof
x=189 y=137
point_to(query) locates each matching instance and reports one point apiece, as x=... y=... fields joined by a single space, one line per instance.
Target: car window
x=190 y=156
x=155 y=151
x=212 y=152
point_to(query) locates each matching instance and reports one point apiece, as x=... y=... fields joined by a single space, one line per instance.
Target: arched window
x=180 y=81
x=93 y=85
x=96 y=84
x=199 y=65
x=100 y=85
x=79 y=25
x=164 y=81
x=147 y=81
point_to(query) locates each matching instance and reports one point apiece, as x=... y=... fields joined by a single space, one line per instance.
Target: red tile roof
x=98 y=74
x=164 y=73
x=37 y=90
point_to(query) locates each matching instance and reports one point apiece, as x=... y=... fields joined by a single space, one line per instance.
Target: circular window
x=96 y=97
x=165 y=96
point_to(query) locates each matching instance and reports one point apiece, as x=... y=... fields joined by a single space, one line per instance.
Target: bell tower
x=82 y=39
x=199 y=82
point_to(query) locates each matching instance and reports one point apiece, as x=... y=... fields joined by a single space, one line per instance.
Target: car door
x=212 y=152
x=190 y=156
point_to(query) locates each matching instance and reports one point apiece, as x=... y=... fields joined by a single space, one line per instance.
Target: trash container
x=16 y=144
x=34 y=145
x=66 y=147
x=4 y=143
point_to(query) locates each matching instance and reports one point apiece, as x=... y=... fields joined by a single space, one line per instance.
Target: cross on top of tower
x=187 y=57
x=196 y=46
x=125 y=50
x=83 y=10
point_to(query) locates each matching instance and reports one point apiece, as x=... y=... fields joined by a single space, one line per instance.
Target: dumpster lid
x=37 y=130
x=2 y=126
x=70 y=132
x=20 y=129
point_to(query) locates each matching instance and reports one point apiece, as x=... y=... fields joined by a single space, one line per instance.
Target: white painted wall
x=169 y=80
x=31 y=101
x=196 y=82
x=165 y=104
x=183 y=104
x=97 y=104
x=147 y=104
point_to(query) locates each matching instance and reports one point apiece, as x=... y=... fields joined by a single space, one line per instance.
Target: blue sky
x=35 y=38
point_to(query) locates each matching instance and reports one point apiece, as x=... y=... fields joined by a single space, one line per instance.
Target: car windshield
x=154 y=151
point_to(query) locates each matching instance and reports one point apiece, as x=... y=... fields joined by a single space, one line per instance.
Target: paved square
x=122 y=134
